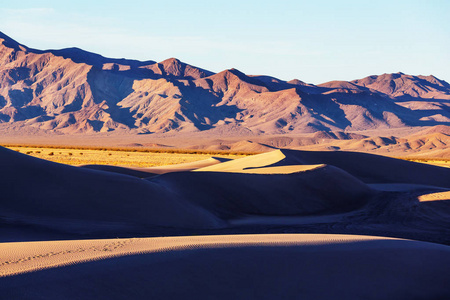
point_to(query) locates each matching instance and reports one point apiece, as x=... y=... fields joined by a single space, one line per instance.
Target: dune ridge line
x=24 y=257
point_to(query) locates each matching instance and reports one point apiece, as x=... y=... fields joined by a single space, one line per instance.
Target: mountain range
x=74 y=91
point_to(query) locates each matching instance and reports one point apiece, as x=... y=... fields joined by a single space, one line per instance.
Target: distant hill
x=75 y=91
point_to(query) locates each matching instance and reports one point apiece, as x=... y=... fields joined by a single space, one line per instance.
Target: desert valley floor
x=277 y=225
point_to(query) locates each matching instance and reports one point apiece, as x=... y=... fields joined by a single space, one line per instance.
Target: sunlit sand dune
x=82 y=200
x=440 y=196
x=207 y=207
x=299 y=266
x=186 y=166
x=147 y=172
x=255 y=161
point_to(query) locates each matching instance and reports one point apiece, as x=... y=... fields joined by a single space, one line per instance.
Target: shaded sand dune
x=135 y=172
x=369 y=168
x=278 y=192
x=82 y=200
x=298 y=266
x=39 y=192
x=146 y=172
x=372 y=168
x=311 y=190
x=274 y=185
x=186 y=166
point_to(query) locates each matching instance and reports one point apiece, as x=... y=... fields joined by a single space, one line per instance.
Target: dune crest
x=20 y=258
x=292 y=265
x=201 y=214
x=440 y=196
x=254 y=161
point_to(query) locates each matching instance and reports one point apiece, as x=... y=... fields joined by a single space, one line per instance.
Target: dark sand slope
x=135 y=172
x=368 y=168
x=147 y=172
x=319 y=190
x=397 y=210
x=39 y=192
x=298 y=266
x=254 y=193
x=280 y=192
x=82 y=200
x=372 y=168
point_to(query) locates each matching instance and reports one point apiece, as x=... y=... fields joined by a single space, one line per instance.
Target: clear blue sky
x=314 y=41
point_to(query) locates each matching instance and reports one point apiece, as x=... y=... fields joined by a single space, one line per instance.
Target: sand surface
x=281 y=266
x=440 y=196
x=339 y=225
x=25 y=257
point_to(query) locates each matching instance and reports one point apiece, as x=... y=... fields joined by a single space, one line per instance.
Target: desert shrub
x=51 y=154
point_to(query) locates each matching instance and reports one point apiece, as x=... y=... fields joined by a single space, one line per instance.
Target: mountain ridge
x=74 y=91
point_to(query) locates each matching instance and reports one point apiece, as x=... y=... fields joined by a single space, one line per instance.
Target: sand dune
x=186 y=166
x=279 y=183
x=435 y=197
x=82 y=200
x=227 y=267
x=254 y=161
x=367 y=167
x=18 y=258
x=120 y=203
x=374 y=168
x=147 y=172
x=135 y=172
x=327 y=193
x=282 y=169
x=324 y=190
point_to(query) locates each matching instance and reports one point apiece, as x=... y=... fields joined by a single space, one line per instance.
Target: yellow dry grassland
x=114 y=157
x=439 y=163
x=431 y=161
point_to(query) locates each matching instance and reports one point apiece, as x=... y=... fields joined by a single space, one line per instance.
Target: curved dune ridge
x=274 y=162
x=372 y=168
x=281 y=191
x=85 y=200
x=314 y=190
x=282 y=169
x=440 y=196
x=77 y=199
x=340 y=191
x=254 y=161
x=150 y=171
x=227 y=267
x=186 y=166
x=26 y=257
x=368 y=168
